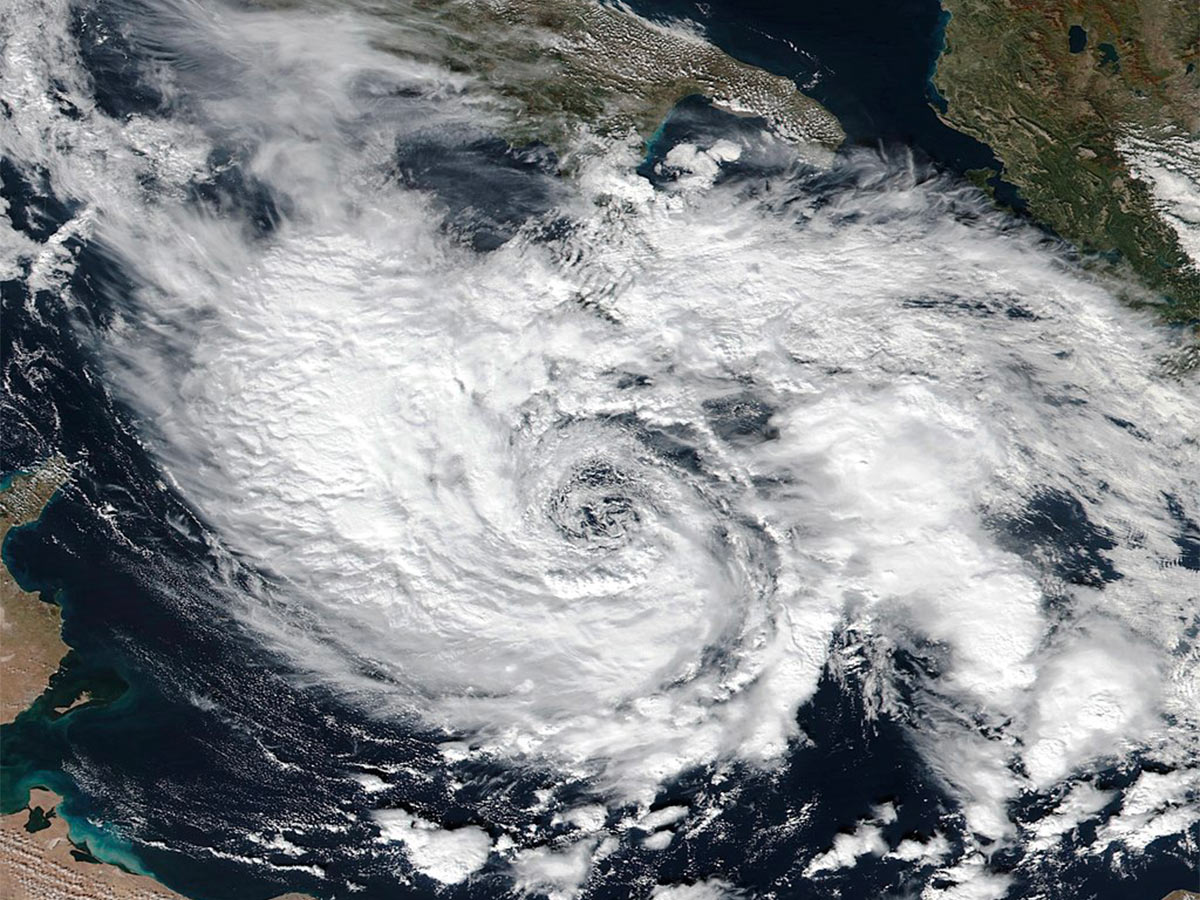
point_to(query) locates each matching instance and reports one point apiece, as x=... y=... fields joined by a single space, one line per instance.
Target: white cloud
x=713 y=889
x=445 y=855
x=929 y=852
x=430 y=453
x=1169 y=163
x=1096 y=696
x=1155 y=806
x=1082 y=803
x=968 y=879
x=557 y=872
x=847 y=848
x=866 y=839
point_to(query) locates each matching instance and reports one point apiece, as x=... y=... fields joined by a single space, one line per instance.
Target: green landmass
x=570 y=67
x=1057 y=119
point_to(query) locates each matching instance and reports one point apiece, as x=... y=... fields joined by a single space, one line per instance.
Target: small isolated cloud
x=445 y=855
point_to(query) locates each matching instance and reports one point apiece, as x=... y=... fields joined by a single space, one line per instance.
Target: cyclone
x=613 y=487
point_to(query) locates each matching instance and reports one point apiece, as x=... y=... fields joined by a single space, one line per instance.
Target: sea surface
x=205 y=761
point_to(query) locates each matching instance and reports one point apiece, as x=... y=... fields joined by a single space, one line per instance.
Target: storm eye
x=741 y=419
x=593 y=506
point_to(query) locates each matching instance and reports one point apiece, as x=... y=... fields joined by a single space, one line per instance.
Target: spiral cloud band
x=613 y=496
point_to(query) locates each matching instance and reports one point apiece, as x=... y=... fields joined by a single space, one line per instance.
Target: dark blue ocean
x=198 y=737
x=871 y=63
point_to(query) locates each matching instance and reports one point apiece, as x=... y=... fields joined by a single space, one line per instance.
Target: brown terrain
x=31 y=644
x=38 y=864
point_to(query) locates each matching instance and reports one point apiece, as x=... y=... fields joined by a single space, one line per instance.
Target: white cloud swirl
x=606 y=499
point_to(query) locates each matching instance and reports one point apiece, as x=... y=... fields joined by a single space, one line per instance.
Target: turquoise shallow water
x=202 y=739
x=34 y=747
x=872 y=63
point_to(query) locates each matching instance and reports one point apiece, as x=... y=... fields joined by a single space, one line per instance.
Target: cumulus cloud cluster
x=605 y=496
